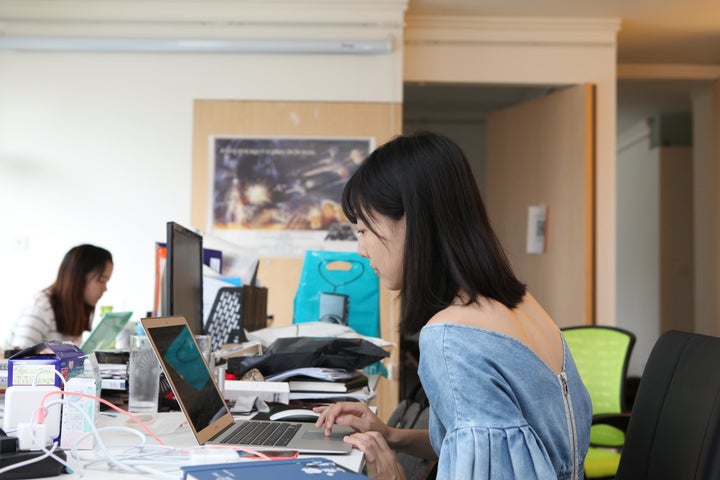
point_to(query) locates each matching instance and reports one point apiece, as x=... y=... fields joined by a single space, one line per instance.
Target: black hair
x=450 y=247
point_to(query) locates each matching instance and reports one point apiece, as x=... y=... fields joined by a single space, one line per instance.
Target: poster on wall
x=281 y=195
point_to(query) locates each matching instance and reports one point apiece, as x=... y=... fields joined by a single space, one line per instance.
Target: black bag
x=299 y=352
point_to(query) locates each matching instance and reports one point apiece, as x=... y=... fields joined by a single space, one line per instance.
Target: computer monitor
x=183 y=282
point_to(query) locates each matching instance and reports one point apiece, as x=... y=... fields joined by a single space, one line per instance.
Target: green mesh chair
x=601 y=354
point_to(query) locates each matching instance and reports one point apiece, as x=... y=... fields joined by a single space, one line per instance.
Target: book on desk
x=318 y=379
x=304 y=383
x=299 y=468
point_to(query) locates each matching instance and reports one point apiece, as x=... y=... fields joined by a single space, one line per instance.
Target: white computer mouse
x=295 y=415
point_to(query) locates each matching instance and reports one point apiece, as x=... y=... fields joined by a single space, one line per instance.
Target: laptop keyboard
x=276 y=434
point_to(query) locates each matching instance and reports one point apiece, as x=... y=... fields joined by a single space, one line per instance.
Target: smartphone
x=272 y=454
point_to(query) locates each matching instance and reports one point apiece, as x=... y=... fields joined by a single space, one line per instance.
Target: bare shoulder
x=527 y=323
x=479 y=314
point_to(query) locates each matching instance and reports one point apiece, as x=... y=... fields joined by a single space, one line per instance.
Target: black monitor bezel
x=169 y=304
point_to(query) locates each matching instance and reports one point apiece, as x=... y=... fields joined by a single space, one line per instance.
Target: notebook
x=300 y=468
x=204 y=406
x=103 y=335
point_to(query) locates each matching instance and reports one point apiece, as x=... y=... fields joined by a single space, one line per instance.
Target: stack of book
x=320 y=383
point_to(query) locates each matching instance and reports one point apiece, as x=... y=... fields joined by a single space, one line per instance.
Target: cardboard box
x=37 y=364
x=79 y=414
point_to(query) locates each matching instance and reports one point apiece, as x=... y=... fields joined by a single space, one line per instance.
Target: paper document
x=363 y=395
x=329 y=374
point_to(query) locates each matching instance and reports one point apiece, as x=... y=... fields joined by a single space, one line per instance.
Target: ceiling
x=654 y=32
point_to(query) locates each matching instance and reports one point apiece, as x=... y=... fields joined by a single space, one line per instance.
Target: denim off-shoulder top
x=498 y=411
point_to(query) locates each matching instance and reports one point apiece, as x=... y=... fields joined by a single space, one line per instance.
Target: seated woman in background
x=506 y=401
x=65 y=310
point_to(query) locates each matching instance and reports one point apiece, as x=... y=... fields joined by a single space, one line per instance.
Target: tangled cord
x=135 y=458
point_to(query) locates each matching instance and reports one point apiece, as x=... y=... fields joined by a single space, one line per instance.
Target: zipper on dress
x=570 y=416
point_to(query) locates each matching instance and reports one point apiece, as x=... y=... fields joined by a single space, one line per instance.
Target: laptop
x=102 y=337
x=204 y=406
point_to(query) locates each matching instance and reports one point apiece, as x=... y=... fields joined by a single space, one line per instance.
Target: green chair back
x=601 y=354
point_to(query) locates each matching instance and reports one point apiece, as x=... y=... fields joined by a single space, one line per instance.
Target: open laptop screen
x=187 y=371
x=103 y=335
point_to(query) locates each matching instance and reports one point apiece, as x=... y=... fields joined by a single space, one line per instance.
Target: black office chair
x=414 y=412
x=674 y=429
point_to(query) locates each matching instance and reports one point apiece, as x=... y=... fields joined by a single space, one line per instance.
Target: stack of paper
x=325 y=383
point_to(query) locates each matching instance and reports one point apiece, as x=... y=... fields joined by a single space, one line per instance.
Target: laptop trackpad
x=314 y=435
x=338 y=432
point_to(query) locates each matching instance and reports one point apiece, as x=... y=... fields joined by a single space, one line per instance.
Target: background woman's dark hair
x=449 y=245
x=67 y=294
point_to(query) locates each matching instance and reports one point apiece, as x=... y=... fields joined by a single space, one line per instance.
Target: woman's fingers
x=351 y=414
x=380 y=459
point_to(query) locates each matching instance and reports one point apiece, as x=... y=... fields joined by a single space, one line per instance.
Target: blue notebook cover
x=298 y=468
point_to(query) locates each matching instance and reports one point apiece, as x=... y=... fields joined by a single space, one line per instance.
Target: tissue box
x=37 y=364
x=79 y=414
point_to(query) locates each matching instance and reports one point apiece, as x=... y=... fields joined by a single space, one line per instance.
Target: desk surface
x=174 y=432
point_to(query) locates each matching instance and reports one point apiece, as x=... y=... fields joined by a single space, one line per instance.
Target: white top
x=37 y=324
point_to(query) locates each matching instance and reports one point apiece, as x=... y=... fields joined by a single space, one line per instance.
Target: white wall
x=638 y=246
x=96 y=147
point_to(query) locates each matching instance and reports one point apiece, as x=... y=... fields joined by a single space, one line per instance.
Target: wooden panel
x=590 y=195
x=676 y=239
x=282 y=276
x=380 y=121
x=542 y=152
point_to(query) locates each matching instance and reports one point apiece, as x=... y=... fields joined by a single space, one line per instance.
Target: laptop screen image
x=189 y=375
x=103 y=335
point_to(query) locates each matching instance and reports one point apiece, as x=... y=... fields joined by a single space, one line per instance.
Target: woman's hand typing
x=371 y=437
x=356 y=415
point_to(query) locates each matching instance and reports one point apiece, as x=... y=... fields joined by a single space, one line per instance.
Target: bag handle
x=352 y=263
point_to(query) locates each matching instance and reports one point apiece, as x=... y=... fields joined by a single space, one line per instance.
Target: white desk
x=173 y=431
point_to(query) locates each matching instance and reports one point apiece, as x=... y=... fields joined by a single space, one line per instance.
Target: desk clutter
x=298 y=352
x=63 y=382
x=216 y=351
x=302 y=368
x=301 y=386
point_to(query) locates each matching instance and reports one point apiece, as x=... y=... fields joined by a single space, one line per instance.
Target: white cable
x=106 y=456
x=109 y=457
x=127 y=460
x=135 y=458
x=58 y=374
x=43 y=447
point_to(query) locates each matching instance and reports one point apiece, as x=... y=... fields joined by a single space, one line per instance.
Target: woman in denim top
x=506 y=399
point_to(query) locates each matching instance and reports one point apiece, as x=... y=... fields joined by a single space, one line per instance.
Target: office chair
x=674 y=429
x=601 y=354
x=414 y=412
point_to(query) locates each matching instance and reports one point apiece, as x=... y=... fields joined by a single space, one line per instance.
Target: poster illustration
x=282 y=190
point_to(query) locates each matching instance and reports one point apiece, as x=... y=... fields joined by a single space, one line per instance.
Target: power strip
x=20 y=403
x=47 y=467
